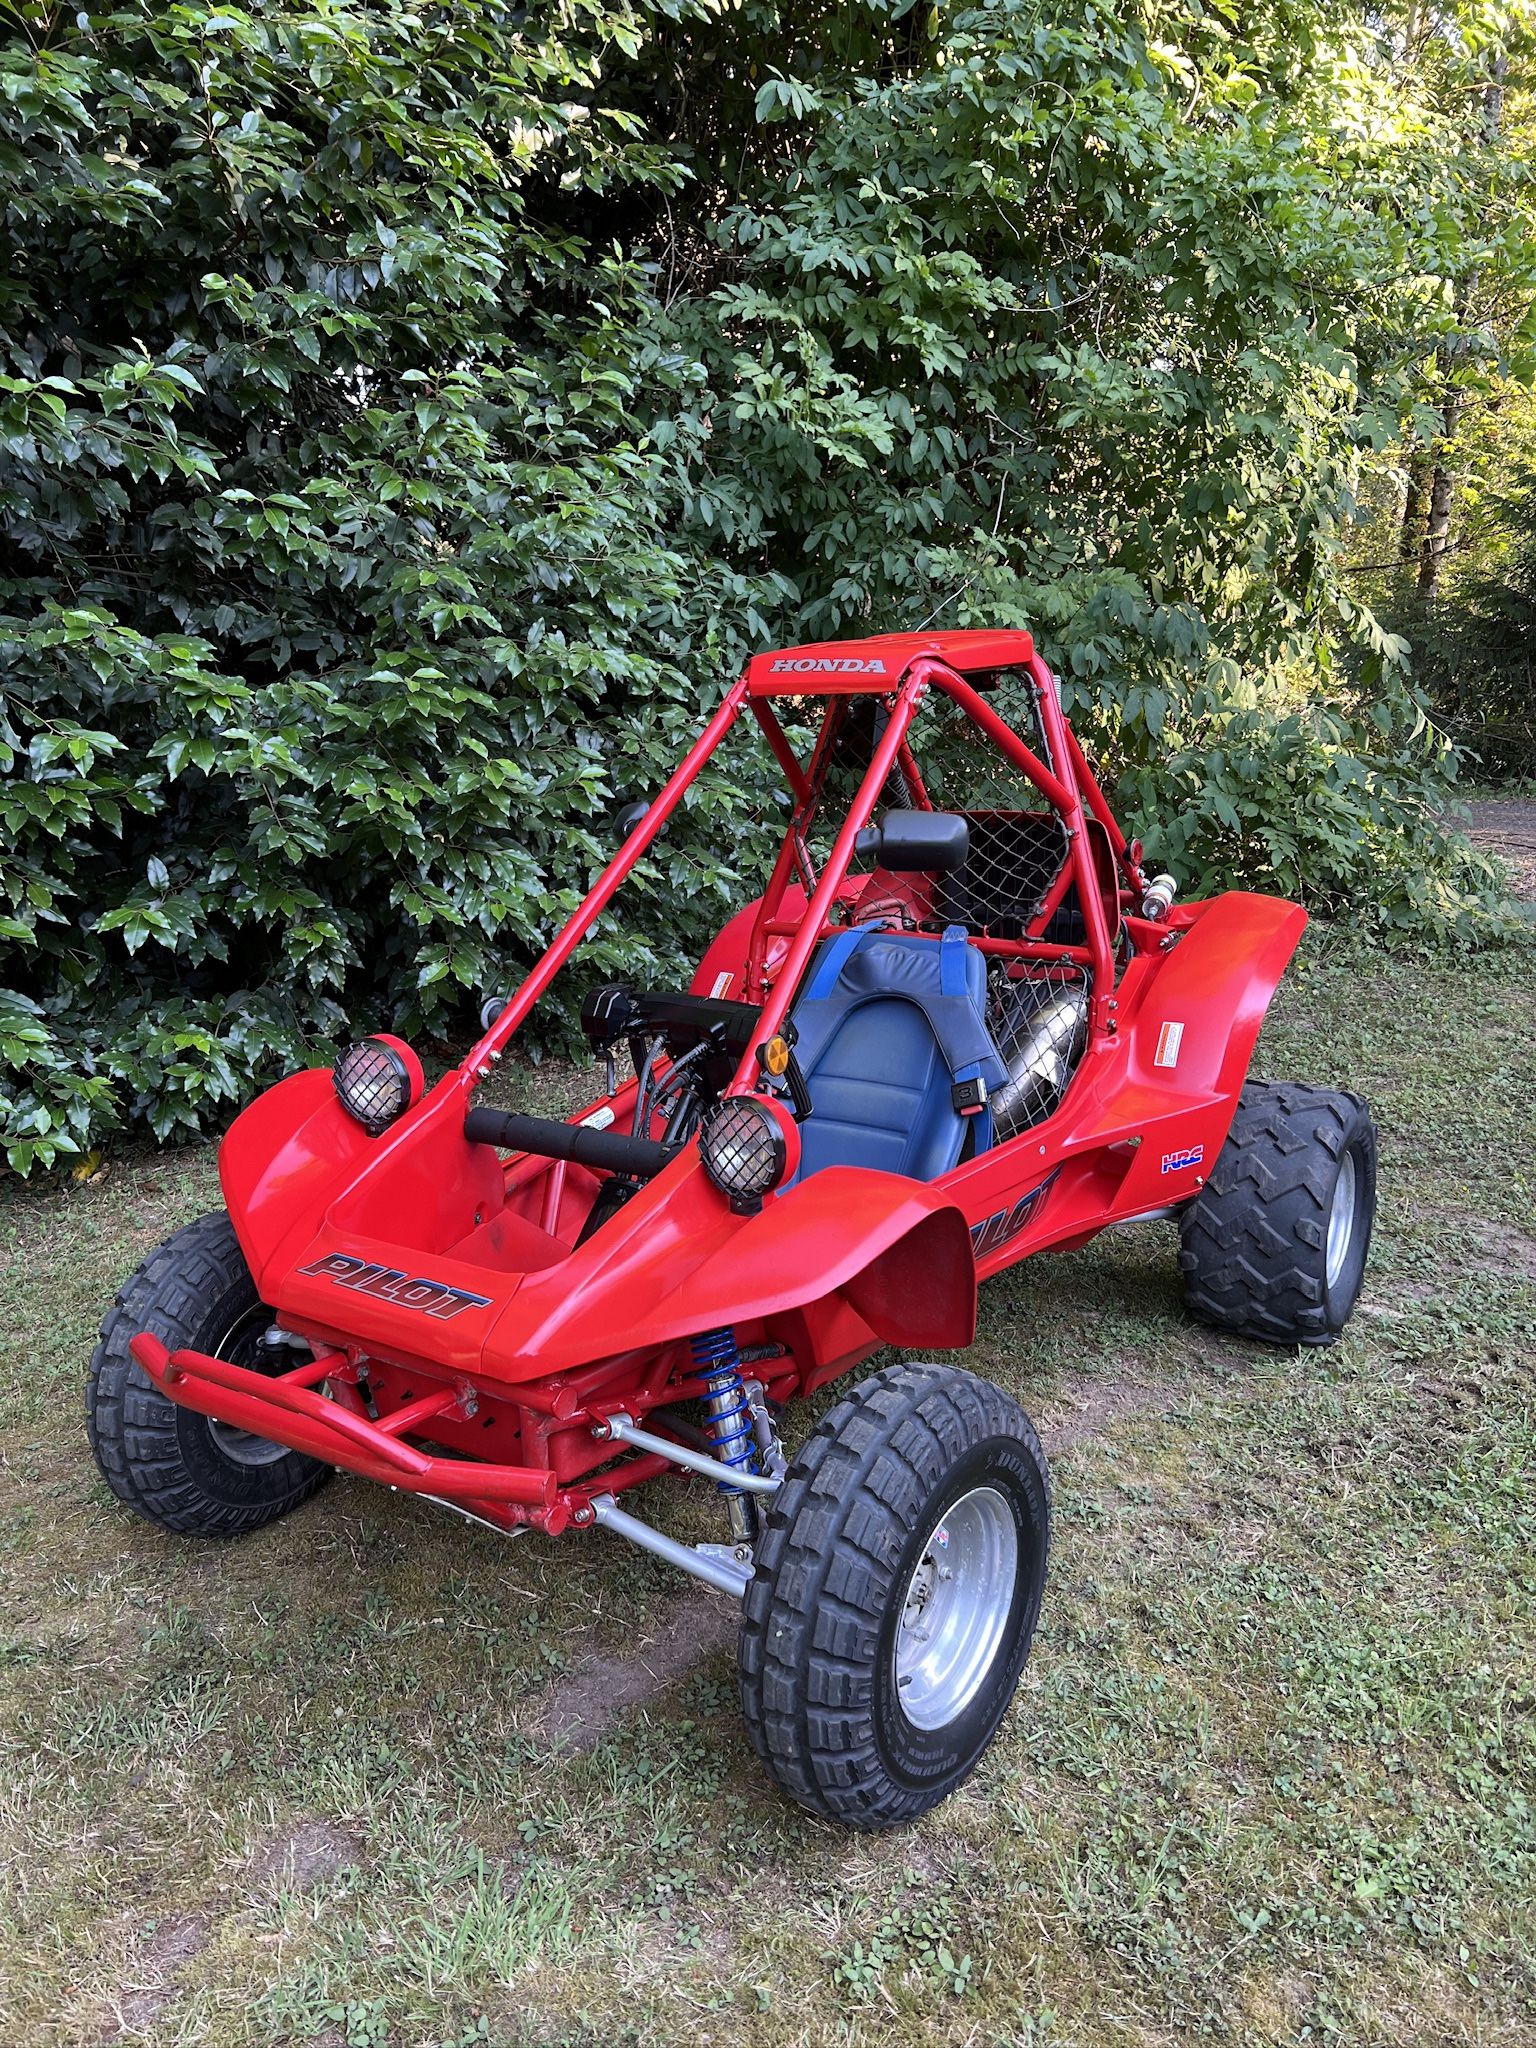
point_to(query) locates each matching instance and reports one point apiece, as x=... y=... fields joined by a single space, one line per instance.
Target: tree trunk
x=1442 y=490
x=1442 y=483
x=1493 y=97
x=1415 y=494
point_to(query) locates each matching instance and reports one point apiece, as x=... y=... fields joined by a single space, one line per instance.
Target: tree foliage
x=408 y=414
x=1092 y=323
x=1447 y=558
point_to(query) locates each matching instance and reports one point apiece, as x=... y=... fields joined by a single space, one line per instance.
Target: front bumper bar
x=288 y=1410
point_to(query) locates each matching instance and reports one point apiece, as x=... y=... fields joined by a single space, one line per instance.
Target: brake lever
x=799 y=1093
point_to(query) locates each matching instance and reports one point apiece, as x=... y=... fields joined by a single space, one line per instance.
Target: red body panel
x=835 y=667
x=1126 y=1120
x=452 y=1283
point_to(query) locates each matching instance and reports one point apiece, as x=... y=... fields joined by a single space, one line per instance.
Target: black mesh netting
x=1018 y=843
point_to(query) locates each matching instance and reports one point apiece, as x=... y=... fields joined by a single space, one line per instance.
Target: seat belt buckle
x=969 y=1098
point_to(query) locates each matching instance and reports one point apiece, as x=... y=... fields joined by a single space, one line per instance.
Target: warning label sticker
x=1169 y=1040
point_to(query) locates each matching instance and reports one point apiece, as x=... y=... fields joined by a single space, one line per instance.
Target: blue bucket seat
x=893 y=1044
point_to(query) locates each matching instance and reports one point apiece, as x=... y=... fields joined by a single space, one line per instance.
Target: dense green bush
x=339 y=593
x=410 y=414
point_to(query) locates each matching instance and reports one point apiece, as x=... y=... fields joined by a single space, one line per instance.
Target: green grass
x=377 y=1777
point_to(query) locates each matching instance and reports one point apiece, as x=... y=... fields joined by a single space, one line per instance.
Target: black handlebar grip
x=609 y=1151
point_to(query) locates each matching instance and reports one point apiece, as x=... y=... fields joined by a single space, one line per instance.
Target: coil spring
x=727 y=1416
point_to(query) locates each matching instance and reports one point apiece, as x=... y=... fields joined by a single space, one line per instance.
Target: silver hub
x=955 y=1608
x=242 y=1447
x=240 y=1345
x=1341 y=1220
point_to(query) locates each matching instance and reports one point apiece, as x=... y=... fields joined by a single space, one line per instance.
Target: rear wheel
x=896 y=1592
x=186 y=1472
x=1274 y=1245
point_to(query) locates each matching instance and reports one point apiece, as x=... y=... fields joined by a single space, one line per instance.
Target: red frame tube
x=1096 y=801
x=1100 y=946
x=783 y=752
x=581 y=921
x=307 y=1422
x=1003 y=736
x=808 y=937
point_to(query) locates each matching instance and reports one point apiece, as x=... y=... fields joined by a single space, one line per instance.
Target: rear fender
x=1187 y=1036
x=1198 y=1022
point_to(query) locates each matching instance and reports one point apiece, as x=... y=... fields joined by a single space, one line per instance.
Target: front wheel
x=896 y=1592
x=189 y=1474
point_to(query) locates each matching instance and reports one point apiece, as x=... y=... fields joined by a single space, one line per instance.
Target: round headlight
x=748 y=1146
x=375 y=1083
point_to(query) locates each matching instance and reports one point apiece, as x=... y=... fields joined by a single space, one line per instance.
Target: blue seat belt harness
x=833 y=959
x=969 y=1087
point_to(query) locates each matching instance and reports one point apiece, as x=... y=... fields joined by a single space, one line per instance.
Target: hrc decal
x=824 y=665
x=1175 y=1162
x=388 y=1283
x=996 y=1230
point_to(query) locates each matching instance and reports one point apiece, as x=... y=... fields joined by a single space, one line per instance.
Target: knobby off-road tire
x=1274 y=1245
x=189 y=1475
x=922 y=1499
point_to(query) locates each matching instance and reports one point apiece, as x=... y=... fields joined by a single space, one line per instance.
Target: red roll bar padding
x=306 y=1421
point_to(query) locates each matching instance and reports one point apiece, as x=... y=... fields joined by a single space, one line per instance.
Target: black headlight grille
x=372 y=1084
x=743 y=1148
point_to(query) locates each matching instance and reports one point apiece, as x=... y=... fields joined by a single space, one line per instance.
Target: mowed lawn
x=378 y=1777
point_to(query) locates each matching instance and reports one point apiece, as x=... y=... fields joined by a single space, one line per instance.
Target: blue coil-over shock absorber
x=728 y=1419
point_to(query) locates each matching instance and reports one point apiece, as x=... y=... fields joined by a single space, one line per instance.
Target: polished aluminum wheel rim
x=1341 y=1219
x=242 y=1446
x=955 y=1608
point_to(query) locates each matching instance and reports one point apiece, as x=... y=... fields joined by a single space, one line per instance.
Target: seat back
x=886 y=1025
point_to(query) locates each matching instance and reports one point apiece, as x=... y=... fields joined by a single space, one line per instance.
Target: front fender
x=283 y=1161
x=294 y=1153
x=899 y=1253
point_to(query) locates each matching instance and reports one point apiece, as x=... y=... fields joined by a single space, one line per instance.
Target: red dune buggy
x=956 y=1024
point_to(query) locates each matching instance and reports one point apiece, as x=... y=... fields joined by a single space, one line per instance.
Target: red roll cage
x=899 y=670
